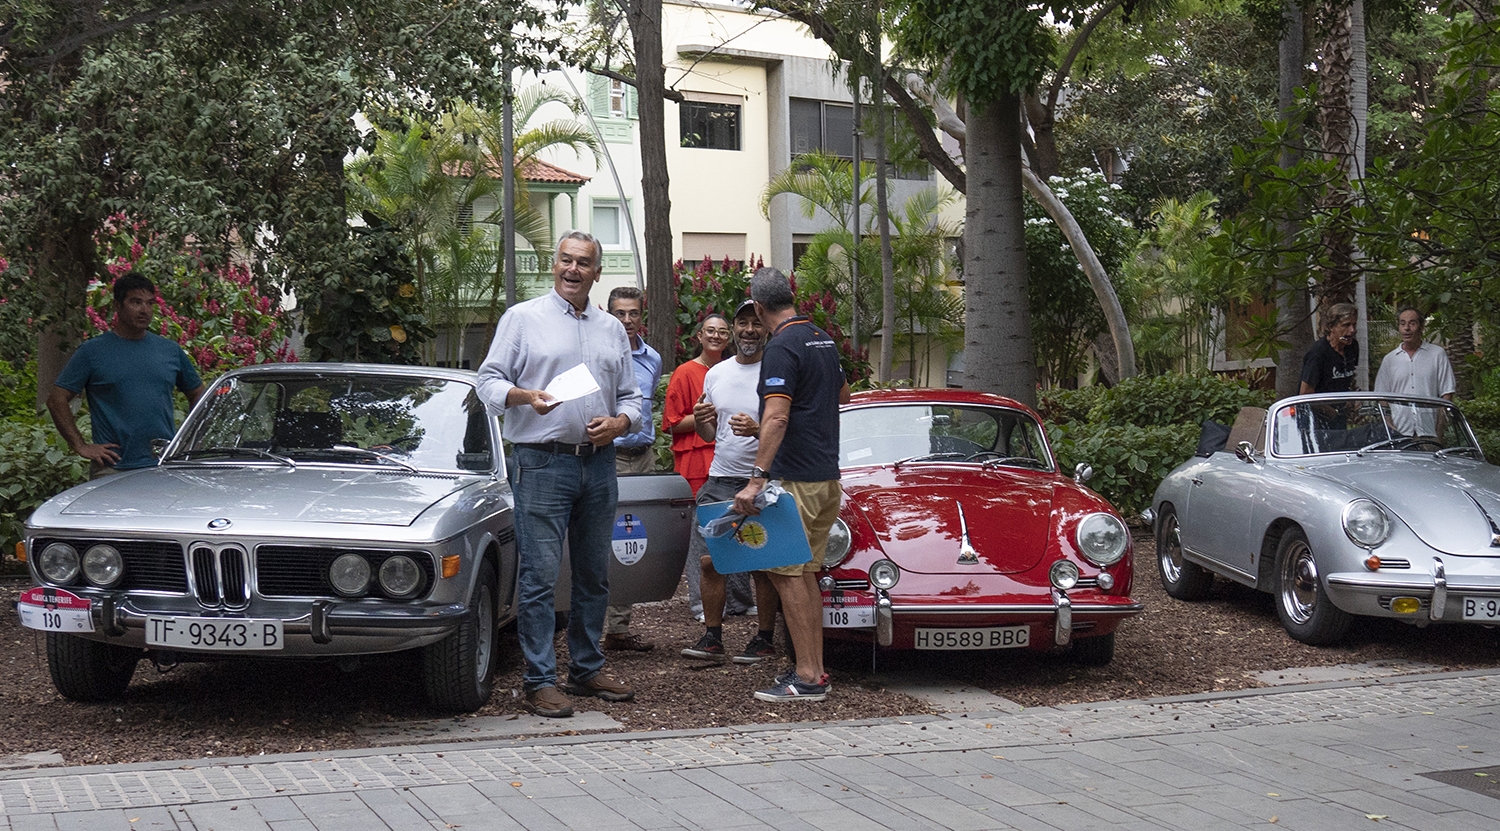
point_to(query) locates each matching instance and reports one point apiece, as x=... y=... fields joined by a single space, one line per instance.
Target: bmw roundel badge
x=219 y=524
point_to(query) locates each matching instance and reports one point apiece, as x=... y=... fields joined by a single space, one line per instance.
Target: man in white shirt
x=1415 y=368
x=726 y=415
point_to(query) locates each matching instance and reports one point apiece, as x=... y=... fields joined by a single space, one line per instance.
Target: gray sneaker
x=757 y=650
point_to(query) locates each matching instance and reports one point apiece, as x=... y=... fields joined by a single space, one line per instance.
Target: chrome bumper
x=1433 y=586
x=1062 y=609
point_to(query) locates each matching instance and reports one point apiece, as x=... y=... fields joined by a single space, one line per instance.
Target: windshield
x=401 y=423
x=1371 y=425
x=915 y=433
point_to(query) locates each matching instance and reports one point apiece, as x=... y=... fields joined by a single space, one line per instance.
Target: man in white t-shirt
x=726 y=416
x=1416 y=368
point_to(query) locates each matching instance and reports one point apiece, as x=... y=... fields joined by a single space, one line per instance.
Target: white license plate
x=848 y=617
x=1482 y=608
x=217 y=633
x=990 y=637
x=54 y=610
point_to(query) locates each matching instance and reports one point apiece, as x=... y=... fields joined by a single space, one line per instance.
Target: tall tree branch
x=56 y=51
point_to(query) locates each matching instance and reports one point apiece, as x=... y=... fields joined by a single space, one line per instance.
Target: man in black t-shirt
x=801 y=386
x=1330 y=365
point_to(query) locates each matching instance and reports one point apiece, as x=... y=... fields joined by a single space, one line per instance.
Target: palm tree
x=926 y=311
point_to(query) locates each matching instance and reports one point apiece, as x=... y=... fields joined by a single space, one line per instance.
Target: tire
x=458 y=672
x=88 y=671
x=1097 y=651
x=1180 y=578
x=1301 y=602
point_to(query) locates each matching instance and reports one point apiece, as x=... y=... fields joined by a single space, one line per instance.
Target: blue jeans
x=562 y=497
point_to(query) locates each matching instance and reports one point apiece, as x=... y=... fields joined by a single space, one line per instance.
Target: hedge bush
x=1068 y=406
x=1128 y=461
x=1164 y=400
x=35 y=464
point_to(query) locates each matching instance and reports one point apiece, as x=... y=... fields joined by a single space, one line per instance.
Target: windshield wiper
x=374 y=454
x=1466 y=449
x=258 y=452
x=1014 y=461
x=929 y=457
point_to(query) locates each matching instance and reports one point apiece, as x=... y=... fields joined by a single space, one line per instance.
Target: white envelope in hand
x=574 y=383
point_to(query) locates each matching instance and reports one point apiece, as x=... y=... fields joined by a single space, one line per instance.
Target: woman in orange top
x=691 y=455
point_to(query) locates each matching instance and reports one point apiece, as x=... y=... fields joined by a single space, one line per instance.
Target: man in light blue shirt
x=562 y=469
x=633 y=452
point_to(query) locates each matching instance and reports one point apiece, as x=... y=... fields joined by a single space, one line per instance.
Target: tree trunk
x=1292 y=299
x=997 y=339
x=645 y=32
x=69 y=261
x=1335 y=86
x=887 y=259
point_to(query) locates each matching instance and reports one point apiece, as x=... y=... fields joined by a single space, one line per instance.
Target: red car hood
x=915 y=516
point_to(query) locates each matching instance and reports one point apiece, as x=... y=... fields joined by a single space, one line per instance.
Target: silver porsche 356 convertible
x=1340 y=505
x=313 y=510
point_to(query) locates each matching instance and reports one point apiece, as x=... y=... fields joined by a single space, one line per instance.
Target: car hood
x=304 y=494
x=915 y=516
x=1452 y=505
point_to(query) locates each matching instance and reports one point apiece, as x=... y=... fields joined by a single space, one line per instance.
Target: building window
x=609 y=224
x=710 y=125
x=617 y=98
x=829 y=126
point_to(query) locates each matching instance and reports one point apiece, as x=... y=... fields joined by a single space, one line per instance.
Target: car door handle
x=1197 y=481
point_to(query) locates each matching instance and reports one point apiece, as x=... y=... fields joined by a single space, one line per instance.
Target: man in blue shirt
x=633 y=452
x=128 y=374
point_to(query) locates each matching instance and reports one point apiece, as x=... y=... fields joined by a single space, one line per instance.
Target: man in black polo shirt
x=801 y=385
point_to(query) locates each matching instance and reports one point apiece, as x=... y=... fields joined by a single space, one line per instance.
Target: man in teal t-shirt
x=128 y=374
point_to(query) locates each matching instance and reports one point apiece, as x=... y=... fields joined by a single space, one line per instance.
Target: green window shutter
x=598 y=96
x=631 y=94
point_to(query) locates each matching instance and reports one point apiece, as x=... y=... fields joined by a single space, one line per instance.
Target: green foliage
x=1162 y=400
x=1065 y=314
x=1135 y=433
x=986 y=49
x=370 y=312
x=35 y=464
x=1128 y=461
x=1482 y=413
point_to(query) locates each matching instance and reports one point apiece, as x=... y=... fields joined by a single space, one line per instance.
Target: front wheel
x=1180 y=578
x=1301 y=601
x=85 y=670
x=458 y=672
x=1094 y=652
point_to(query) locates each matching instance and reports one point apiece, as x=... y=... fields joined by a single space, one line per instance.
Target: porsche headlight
x=838 y=544
x=350 y=575
x=103 y=565
x=58 y=563
x=1101 y=538
x=1365 y=523
x=884 y=574
x=400 y=577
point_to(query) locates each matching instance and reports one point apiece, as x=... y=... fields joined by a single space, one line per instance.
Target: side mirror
x=1083 y=473
x=159 y=446
x=1244 y=451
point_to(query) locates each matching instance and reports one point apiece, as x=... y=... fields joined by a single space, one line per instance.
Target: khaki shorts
x=818 y=503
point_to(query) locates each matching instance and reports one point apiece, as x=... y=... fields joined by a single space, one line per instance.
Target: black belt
x=562 y=448
x=632 y=452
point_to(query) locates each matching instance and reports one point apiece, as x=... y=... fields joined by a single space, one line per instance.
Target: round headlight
x=399 y=576
x=1102 y=538
x=838 y=544
x=1365 y=523
x=58 y=563
x=1063 y=574
x=350 y=575
x=884 y=574
x=103 y=565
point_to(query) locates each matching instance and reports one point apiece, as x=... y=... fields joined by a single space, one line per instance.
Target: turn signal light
x=1406 y=605
x=451 y=563
x=21 y=552
x=1372 y=563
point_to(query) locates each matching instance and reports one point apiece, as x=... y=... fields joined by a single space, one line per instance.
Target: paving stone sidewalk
x=1406 y=752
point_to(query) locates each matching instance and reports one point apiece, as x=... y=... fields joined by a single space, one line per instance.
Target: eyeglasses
x=627 y=314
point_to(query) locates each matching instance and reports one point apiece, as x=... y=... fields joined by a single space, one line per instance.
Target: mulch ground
x=246 y=708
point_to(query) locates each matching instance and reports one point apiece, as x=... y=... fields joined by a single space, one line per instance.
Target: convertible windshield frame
x=986 y=436
x=1361 y=424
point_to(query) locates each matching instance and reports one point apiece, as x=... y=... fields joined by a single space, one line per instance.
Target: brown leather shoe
x=602 y=686
x=547 y=701
x=628 y=642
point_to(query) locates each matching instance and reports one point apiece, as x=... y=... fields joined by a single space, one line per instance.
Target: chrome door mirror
x=1245 y=451
x=159 y=446
x=1083 y=473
